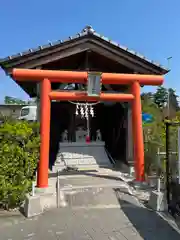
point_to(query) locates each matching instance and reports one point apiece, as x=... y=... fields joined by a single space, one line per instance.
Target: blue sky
x=150 y=27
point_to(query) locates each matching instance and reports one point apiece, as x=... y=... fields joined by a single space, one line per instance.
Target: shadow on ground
x=147 y=223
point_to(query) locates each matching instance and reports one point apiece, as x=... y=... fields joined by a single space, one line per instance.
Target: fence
x=163 y=161
x=172 y=160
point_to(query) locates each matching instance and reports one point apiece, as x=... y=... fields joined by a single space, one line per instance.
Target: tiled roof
x=88 y=30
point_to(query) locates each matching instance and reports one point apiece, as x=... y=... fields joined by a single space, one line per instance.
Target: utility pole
x=169 y=60
x=168 y=104
x=167 y=144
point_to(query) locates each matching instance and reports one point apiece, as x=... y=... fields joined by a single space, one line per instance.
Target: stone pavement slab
x=124 y=223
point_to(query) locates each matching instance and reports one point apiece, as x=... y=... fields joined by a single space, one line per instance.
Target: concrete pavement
x=97 y=208
x=128 y=221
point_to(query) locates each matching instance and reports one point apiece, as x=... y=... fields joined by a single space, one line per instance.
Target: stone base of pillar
x=43 y=199
x=36 y=205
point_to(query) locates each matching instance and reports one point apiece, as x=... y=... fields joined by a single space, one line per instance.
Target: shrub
x=19 y=154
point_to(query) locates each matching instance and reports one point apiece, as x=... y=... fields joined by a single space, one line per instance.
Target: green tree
x=173 y=102
x=11 y=100
x=161 y=97
x=152 y=134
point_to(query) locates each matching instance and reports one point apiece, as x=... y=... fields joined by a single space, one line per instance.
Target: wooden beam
x=81 y=77
x=82 y=96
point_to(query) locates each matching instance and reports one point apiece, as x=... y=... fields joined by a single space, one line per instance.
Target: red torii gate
x=48 y=76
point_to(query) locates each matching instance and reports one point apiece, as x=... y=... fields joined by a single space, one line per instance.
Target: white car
x=28 y=113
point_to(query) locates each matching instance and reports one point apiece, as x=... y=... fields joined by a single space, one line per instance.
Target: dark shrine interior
x=109 y=119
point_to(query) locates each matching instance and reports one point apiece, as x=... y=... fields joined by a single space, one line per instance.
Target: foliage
x=161 y=96
x=19 y=153
x=165 y=97
x=173 y=99
x=11 y=100
x=154 y=133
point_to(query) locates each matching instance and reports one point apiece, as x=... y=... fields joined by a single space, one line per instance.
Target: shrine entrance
x=93 y=93
x=73 y=121
x=101 y=121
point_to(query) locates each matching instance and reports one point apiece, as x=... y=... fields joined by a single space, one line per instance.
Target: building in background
x=11 y=110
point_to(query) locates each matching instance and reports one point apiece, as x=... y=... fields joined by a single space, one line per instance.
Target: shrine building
x=88 y=100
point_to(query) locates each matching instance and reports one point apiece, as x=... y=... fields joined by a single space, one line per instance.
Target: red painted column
x=138 y=142
x=42 y=176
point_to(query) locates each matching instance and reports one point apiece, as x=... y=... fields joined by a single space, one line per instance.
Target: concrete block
x=32 y=206
x=35 y=205
x=157 y=201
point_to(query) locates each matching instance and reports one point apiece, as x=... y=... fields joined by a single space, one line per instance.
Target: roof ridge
x=87 y=30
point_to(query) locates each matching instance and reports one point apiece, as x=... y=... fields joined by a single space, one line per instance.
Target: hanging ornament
x=77 y=109
x=92 y=111
x=86 y=111
x=82 y=111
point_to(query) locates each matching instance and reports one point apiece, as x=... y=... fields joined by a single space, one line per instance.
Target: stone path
x=109 y=214
x=126 y=222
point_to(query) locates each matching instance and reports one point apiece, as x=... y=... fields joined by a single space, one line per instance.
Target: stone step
x=94 y=196
x=82 y=156
x=91 y=190
x=75 y=161
x=80 y=161
x=82 y=167
x=88 y=196
x=89 y=179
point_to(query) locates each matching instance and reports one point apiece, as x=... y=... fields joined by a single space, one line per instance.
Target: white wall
x=10 y=110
